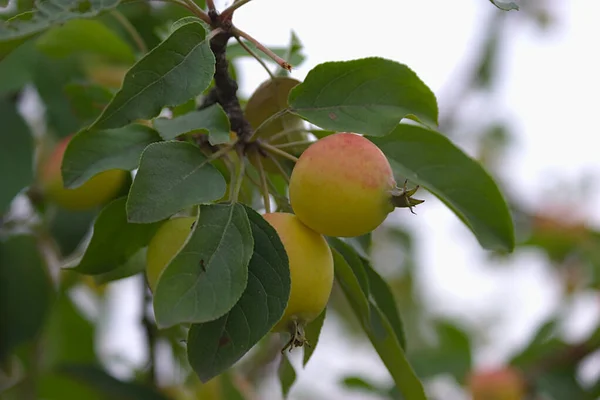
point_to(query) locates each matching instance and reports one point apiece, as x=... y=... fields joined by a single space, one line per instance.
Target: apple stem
x=297 y=338
x=402 y=197
x=275 y=150
x=228 y=12
x=293 y=144
x=256 y=56
x=283 y=172
x=280 y=61
x=264 y=188
x=234 y=193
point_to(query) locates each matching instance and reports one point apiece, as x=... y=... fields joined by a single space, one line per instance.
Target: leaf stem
x=284 y=133
x=197 y=11
x=293 y=144
x=253 y=54
x=281 y=153
x=280 y=61
x=279 y=167
x=228 y=12
x=135 y=35
x=264 y=188
x=234 y=193
x=267 y=121
x=210 y=4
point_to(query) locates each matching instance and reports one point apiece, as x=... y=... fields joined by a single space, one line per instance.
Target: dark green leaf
x=287 y=375
x=47 y=13
x=368 y=96
x=114 y=240
x=215 y=346
x=96 y=378
x=25 y=292
x=430 y=159
x=384 y=298
x=16 y=153
x=209 y=274
x=505 y=5
x=212 y=119
x=68 y=228
x=171 y=177
x=380 y=332
x=312 y=332
x=17 y=69
x=87 y=100
x=178 y=69
x=92 y=152
x=353 y=261
x=85 y=36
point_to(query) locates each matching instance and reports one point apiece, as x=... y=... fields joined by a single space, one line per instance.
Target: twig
x=150 y=330
x=293 y=144
x=279 y=167
x=197 y=11
x=280 y=61
x=135 y=35
x=275 y=150
x=228 y=12
x=264 y=188
x=253 y=54
x=210 y=4
x=269 y=120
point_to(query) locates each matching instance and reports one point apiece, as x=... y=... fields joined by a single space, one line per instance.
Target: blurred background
x=518 y=91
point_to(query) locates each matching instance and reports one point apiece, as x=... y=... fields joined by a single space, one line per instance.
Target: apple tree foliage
x=153 y=90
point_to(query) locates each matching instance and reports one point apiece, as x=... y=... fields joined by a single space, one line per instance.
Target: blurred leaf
x=562 y=385
x=16 y=153
x=87 y=100
x=384 y=298
x=134 y=265
x=25 y=292
x=358 y=383
x=171 y=177
x=312 y=332
x=47 y=13
x=353 y=261
x=57 y=386
x=505 y=5
x=80 y=36
x=114 y=240
x=234 y=51
x=430 y=159
x=68 y=228
x=287 y=375
x=360 y=244
x=209 y=274
x=215 y=346
x=18 y=68
x=380 y=332
x=368 y=96
x=451 y=355
x=96 y=378
x=212 y=119
x=92 y=152
x=293 y=52
x=178 y=69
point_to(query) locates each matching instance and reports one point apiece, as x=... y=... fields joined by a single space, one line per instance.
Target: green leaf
x=92 y=152
x=452 y=355
x=87 y=100
x=17 y=69
x=82 y=36
x=287 y=375
x=178 y=69
x=16 y=153
x=68 y=228
x=98 y=379
x=430 y=159
x=114 y=240
x=380 y=332
x=25 y=292
x=212 y=119
x=312 y=332
x=48 y=13
x=505 y=5
x=353 y=261
x=215 y=346
x=172 y=176
x=368 y=96
x=133 y=266
x=209 y=274
x=384 y=299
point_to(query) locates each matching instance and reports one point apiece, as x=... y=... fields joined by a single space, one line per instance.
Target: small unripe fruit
x=96 y=191
x=342 y=185
x=165 y=243
x=501 y=384
x=311 y=272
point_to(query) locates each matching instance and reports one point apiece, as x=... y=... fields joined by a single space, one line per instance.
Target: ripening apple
x=311 y=273
x=500 y=384
x=343 y=185
x=96 y=191
x=163 y=246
